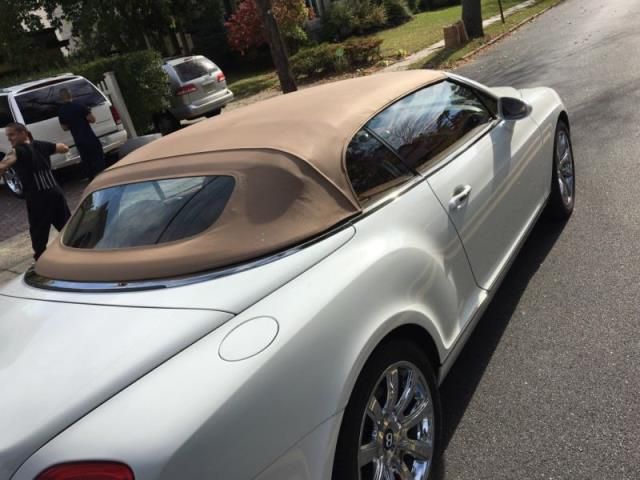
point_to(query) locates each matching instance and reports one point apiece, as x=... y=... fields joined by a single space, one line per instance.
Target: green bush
x=143 y=83
x=311 y=61
x=368 y=16
x=338 y=21
x=413 y=6
x=347 y=17
x=363 y=51
x=328 y=58
x=397 y=11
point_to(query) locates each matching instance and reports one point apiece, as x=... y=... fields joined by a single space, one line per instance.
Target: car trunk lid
x=58 y=361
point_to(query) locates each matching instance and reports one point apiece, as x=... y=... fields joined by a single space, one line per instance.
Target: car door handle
x=460 y=196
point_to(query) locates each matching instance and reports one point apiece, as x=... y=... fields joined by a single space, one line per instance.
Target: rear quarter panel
x=198 y=416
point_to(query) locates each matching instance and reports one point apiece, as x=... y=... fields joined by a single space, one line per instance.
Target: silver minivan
x=36 y=105
x=198 y=88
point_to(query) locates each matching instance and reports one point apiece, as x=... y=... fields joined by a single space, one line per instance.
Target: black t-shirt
x=74 y=116
x=33 y=166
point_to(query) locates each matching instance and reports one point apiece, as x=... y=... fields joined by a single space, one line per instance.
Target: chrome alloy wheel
x=12 y=181
x=397 y=431
x=564 y=168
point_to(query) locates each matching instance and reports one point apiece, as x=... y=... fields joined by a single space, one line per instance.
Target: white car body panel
x=227 y=293
x=276 y=415
x=52 y=378
x=506 y=173
x=350 y=319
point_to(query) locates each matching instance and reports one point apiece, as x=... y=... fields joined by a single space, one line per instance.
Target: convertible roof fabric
x=287 y=157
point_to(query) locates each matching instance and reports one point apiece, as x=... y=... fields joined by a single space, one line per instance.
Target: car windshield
x=43 y=103
x=194 y=68
x=148 y=213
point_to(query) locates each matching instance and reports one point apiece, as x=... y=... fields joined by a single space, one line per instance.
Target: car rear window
x=43 y=103
x=148 y=213
x=195 y=68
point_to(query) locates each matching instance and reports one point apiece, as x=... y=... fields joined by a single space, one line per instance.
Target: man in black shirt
x=77 y=118
x=46 y=204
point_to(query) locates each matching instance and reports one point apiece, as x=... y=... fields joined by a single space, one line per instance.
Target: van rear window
x=196 y=68
x=43 y=103
x=148 y=213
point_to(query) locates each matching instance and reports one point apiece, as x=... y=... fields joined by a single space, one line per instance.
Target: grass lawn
x=425 y=28
x=447 y=58
x=250 y=83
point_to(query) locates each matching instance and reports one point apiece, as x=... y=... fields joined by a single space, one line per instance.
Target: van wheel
x=13 y=183
x=213 y=113
x=391 y=426
x=165 y=123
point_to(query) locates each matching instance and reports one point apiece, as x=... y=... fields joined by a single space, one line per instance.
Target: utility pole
x=501 y=10
x=276 y=44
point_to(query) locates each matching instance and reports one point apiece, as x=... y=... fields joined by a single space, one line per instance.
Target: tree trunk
x=277 y=46
x=472 y=18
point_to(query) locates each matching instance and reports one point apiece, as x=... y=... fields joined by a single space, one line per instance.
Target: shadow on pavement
x=461 y=383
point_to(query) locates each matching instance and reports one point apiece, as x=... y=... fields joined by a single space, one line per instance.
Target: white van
x=36 y=104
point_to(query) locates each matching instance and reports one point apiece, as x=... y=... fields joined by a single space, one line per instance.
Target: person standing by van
x=77 y=118
x=46 y=204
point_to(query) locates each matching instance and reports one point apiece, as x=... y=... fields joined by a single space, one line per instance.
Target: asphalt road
x=549 y=385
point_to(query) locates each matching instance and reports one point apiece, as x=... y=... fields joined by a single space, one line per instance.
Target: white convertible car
x=276 y=294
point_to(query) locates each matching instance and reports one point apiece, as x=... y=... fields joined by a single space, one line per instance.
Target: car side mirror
x=510 y=108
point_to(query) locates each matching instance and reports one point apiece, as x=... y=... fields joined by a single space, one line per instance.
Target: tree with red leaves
x=246 y=30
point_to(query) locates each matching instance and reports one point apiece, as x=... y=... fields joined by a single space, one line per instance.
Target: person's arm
x=8 y=161
x=61 y=148
x=64 y=127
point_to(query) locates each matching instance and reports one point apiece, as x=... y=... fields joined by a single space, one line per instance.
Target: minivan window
x=373 y=168
x=43 y=103
x=426 y=125
x=148 y=213
x=5 y=112
x=194 y=68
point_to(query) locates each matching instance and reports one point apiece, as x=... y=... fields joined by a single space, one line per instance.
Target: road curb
x=508 y=32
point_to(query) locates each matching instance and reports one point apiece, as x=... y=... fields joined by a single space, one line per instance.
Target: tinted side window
x=148 y=213
x=425 y=125
x=372 y=167
x=5 y=112
x=43 y=103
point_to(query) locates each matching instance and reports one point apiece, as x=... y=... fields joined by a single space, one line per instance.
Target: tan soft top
x=286 y=155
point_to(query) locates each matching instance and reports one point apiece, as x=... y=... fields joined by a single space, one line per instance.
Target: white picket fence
x=109 y=86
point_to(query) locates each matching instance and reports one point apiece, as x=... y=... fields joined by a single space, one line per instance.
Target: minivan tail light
x=88 y=471
x=189 y=88
x=220 y=76
x=116 y=115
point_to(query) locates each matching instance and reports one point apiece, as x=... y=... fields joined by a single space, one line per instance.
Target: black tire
x=560 y=206
x=213 y=113
x=165 y=123
x=389 y=354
